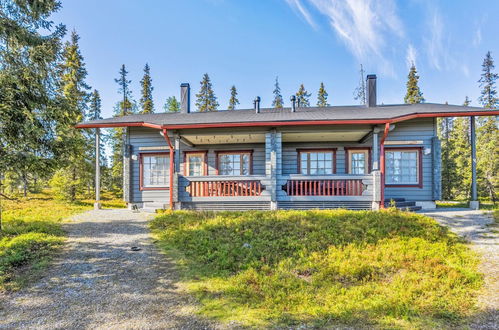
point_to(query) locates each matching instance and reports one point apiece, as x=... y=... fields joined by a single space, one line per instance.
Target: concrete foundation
x=474 y=205
x=427 y=205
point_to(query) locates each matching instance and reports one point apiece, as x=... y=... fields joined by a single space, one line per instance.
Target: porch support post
x=474 y=204
x=176 y=196
x=126 y=166
x=172 y=168
x=383 y=165
x=97 y=204
x=273 y=167
x=375 y=149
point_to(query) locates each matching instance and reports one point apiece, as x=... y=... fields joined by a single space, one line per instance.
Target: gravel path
x=99 y=282
x=476 y=227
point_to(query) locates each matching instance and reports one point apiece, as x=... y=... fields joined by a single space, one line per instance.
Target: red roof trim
x=299 y=122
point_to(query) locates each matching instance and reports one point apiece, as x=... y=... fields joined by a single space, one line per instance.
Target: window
x=358 y=161
x=195 y=163
x=403 y=167
x=154 y=170
x=316 y=162
x=234 y=163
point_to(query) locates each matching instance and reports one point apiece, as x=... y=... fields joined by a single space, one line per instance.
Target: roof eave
x=295 y=123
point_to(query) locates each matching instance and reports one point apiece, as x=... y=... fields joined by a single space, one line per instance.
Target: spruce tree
x=322 y=96
x=414 y=94
x=461 y=156
x=127 y=105
x=124 y=107
x=233 y=101
x=488 y=134
x=448 y=165
x=172 y=104
x=206 y=99
x=146 y=102
x=488 y=96
x=94 y=113
x=73 y=144
x=302 y=97
x=278 y=100
x=359 y=93
x=29 y=50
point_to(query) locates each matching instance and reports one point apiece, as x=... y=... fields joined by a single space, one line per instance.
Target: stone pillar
x=376 y=203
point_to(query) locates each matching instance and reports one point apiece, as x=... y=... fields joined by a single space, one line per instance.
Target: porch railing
x=223 y=187
x=325 y=186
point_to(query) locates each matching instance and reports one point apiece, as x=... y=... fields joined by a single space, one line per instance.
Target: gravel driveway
x=476 y=227
x=99 y=282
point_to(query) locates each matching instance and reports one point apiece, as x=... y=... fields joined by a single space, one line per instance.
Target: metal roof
x=310 y=115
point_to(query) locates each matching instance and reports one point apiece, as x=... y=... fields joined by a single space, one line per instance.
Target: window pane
x=234 y=164
x=320 y=163
x=155 y=170
x=403 y=169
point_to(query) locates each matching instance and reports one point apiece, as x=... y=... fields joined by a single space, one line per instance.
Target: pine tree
x=206 y=99
x=172 y=104
x=488 y=134
x=302 y=97
x=322 y=96
x=233 y=101
x=359 y=93
x=146 y=102
x=278 y=100
x=413 y=94
x=73 y=144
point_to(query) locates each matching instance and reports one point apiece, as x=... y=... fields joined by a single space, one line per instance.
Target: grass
x=32 y=233
x=484 y=205
x=322 y=268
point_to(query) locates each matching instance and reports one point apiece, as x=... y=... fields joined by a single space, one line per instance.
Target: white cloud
x=297 y=5
x=435 y=41
x=363 y=25
x=477 y=38
x=410 y=57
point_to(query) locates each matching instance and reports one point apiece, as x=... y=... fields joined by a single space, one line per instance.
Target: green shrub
x=325 y=268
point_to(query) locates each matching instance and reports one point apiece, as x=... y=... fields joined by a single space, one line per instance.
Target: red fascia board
x=300 y=122
x=136 y=124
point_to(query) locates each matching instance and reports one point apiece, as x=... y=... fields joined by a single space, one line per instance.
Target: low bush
x=322 y=268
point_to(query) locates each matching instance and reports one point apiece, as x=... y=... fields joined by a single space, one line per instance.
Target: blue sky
x=248 y=43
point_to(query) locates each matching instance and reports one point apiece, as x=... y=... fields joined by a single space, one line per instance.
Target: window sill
x=154 y=188
x=392 y=185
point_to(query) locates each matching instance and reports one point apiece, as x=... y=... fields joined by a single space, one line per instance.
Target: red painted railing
x=350 y=187
x=224 y=188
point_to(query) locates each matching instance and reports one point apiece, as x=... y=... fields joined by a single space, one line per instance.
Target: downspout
x=382 y=165
x=170 y=146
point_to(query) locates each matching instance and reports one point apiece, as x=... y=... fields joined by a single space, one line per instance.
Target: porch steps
x=402 y=204
x=152 y=207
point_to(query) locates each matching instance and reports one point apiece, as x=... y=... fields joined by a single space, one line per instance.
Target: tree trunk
x=24 y=178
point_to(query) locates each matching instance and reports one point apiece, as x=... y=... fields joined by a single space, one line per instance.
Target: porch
x=281 y=172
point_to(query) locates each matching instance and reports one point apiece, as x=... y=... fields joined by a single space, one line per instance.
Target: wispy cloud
x=477 y=38
x=437 y=54
x=298 y=6
x=410 y=56
x=363 y=25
